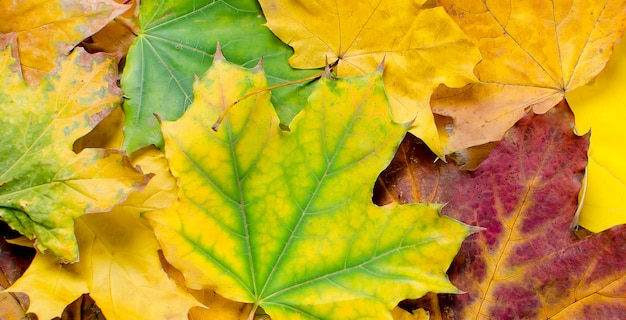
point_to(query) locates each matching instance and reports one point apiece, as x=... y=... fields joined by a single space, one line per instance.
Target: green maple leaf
x=176 y=41
x=285 y=220
x=44 y=185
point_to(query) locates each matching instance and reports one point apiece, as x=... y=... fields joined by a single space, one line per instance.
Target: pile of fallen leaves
x=291 y=159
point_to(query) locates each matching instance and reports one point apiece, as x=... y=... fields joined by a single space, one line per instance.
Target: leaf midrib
x=320 y=182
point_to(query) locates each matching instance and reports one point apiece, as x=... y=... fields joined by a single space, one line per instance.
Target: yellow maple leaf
x=601 y=108
x=218 y=307
x=533 y=52
x=421 y=47
x=119 y=266
x=48 y=30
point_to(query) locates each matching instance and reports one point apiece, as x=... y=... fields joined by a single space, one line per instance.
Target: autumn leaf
x=533 y=54
x=108 y=133
x=44 y=185
x=285 y=220
x=14 y=260
x=176 y=42
x=83 y=308
x=422 y=48
x=600 y=107
x=527 y=263
x=49 y=30
x=119 y=267
x=400 y=314
x=217 y=307
x=117 y=35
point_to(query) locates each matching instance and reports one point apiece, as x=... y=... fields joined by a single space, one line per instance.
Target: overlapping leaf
x=218 y=307
x=527 y=263
x=422 y=48
x=533 y=53
x=176 y=42
x=601 y=107
x=13 y=261
x=44 y=185
x=48 y=30
x=119 y=266
x=285 y=220
x=117 y=35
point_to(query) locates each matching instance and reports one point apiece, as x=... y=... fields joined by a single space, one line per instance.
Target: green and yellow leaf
x=176 y=42
x=120 y=266
x=44 y=185
x=285 y=220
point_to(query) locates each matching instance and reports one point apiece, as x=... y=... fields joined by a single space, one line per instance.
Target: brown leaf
x=14 y=260
x=83 y=308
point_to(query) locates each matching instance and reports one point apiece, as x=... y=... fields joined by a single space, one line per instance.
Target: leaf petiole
x=327 y=72
x=252 y=314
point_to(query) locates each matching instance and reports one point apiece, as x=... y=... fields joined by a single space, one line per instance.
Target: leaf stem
x=252 y=314
x=280 y=85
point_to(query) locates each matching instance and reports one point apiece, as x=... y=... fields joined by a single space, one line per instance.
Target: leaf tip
x=328 y=71
x=475 y=229
x=381 y=65
x=259 y=66
x=218 y=56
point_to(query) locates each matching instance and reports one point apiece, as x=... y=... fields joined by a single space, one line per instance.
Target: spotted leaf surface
x=44 y=185
x=284 y=220
x=49 y=30
x=119 y=267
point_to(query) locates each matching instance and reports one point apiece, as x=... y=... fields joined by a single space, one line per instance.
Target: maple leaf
x=600 y=107
x=49 y=30
x=422 y=48
x=176 y=41
x=285 y=220
x=44 y=185
x=119 y=266
x=527 y=263
x=570 y=43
